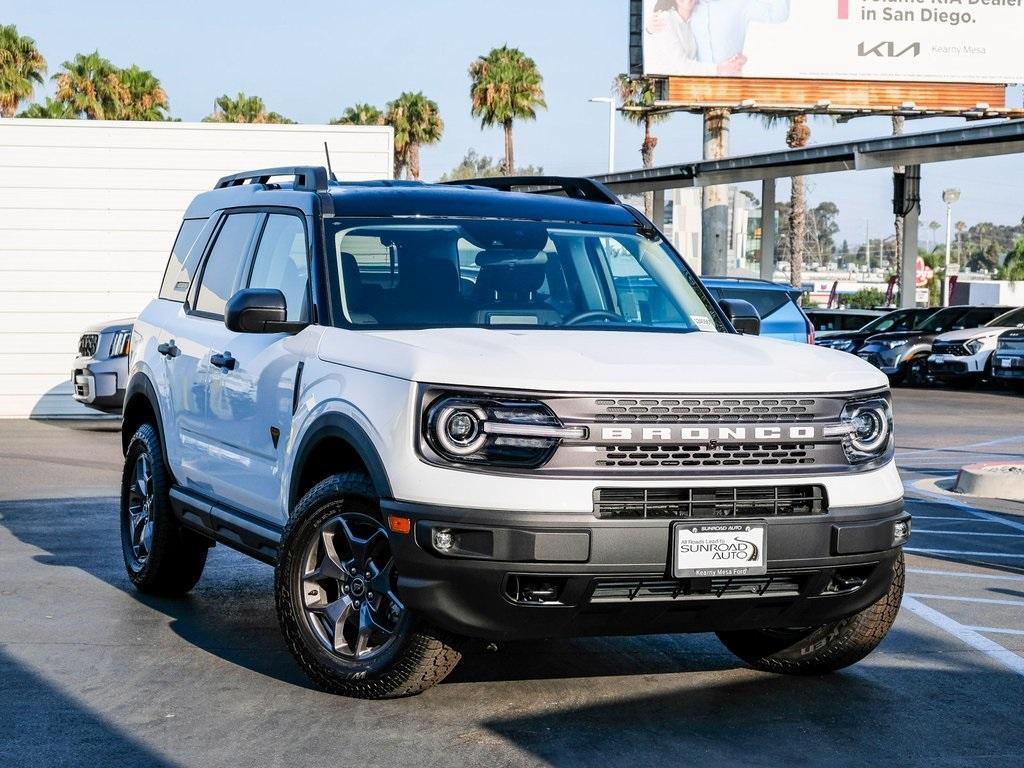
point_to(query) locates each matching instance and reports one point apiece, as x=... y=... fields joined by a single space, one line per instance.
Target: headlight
x=495 y=432
x=121 y=344
x=844 y=345
x=866 y=429
x=891 y=343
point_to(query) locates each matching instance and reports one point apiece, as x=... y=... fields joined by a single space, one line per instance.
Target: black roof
x=404 y=198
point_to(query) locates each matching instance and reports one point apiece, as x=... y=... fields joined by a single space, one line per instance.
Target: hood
x=838 y=335
x=966 y=334
x=902 y=336
x=109 y=325
x=600 y=361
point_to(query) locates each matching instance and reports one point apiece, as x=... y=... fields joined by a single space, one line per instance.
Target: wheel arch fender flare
x=343 y=427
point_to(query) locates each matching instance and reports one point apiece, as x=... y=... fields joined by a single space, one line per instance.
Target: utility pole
x=949 y=197
x=715 y=215
x=611 y=128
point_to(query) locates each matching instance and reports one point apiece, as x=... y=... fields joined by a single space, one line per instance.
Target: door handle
x=224 y=360
x=168 y=349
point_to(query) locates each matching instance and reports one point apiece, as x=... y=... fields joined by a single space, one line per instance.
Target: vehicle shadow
x=898 y=715
x=231 y=611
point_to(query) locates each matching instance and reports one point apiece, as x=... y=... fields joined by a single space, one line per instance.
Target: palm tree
x=640 y=92
x=961 y=227
x=416 y=121
x=243 y=109
x=51 y=109
x=360 y=114
x=798 y=135
x=21 y=69
x=89 y=85
x=934 y=226
x=141 y=95
x=505 y=86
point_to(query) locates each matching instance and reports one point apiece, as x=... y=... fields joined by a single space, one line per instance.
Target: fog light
x=900 y=532
x=443 y=539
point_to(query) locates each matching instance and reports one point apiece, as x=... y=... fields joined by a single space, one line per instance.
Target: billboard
x=942 y=41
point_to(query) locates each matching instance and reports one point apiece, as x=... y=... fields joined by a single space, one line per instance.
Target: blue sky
x=309 y=61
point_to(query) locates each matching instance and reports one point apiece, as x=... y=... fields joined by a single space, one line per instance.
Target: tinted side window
x=765 y=302
x=179 y=272
x=281 y=263
x=224 y=264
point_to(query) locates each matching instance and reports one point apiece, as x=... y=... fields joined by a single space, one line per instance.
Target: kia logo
x=888 y=50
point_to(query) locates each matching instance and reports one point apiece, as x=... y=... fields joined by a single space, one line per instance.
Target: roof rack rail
x=308 y=178
x=572 y=186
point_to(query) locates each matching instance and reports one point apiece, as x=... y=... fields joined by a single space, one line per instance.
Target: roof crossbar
x=308 y=178
x=572 y=186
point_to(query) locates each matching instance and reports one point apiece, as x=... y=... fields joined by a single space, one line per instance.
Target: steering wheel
x=595 y=314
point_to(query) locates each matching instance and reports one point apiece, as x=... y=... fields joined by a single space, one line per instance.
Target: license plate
x=707 y=550
x=938 y=359
x=1007 y=362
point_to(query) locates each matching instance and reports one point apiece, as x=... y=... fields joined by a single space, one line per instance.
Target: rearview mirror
x=742 y=315
x=259 y=310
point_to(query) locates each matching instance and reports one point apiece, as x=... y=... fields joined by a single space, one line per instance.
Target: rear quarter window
x=180 y=268
x=767 y=303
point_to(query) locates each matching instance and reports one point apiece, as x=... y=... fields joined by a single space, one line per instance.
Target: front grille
x=950 y=348
x=653 y=589
x=87 y=344
x=720 y=455
x=703 y=410
x=661 y=503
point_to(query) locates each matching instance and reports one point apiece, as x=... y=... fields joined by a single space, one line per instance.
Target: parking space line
x=972 y=533
x=924 y=551
x=946 y=517
x=978 y=513
x=966 y=634
x=958 y=599
x=998 y=630
x=965 y=574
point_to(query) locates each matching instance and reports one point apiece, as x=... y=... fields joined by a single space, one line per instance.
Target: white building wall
x=89 y=211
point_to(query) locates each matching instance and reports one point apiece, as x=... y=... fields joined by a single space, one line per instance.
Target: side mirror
x=742 y=315
x=259 y=310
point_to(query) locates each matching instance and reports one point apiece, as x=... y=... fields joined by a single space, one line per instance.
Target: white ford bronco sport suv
x=460 y=411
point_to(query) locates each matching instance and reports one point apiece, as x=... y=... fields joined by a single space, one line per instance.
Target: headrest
x=510 y=257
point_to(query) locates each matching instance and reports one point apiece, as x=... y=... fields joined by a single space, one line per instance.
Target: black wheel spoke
x=347 y=589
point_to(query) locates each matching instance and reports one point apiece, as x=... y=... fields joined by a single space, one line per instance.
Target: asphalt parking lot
x=94 y=673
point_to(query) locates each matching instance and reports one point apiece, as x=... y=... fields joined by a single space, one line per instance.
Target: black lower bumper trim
x=820 y=568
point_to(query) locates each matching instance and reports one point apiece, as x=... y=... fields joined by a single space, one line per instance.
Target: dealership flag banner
x=946 y=41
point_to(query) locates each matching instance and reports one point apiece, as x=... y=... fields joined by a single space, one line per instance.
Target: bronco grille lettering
x=703 y=434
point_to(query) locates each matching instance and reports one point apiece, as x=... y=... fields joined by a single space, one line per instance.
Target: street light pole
x=611 y=128
x=949 y=197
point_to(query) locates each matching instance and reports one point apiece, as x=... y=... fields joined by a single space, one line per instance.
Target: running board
x=234 y=528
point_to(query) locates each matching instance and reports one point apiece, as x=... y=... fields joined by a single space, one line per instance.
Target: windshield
x=944 y=320
x=901 y=320
x=1012 y=319
x=472 y=273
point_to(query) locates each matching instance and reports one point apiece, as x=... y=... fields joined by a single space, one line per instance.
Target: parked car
x=903 y=355
x=967 y=353
x=841 y=319
x=100 y=371
x=891 y=322
x=570 y=439
x=1008 y=359
x=781 y=315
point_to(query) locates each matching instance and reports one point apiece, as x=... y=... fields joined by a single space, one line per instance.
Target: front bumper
x=1009 y=367
x=99 y=384
x=956 y=366
x=536 y=575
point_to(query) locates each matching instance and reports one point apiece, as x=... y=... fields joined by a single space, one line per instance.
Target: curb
x=992 y=480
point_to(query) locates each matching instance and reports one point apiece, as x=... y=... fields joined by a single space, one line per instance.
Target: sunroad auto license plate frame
x=714 y=549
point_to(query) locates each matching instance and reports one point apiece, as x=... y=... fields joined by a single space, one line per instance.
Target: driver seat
x=506 y=291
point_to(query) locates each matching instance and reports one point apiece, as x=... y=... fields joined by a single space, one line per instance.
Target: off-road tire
x=176 y=558
x=824 y=649
x=419 y=657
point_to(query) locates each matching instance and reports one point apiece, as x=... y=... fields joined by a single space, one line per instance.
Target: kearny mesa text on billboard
x=949 y=41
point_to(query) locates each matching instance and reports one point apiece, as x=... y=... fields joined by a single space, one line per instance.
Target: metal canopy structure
x=909 y=150
x=976 y=141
